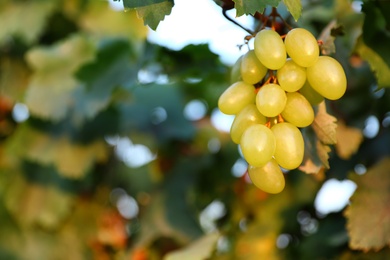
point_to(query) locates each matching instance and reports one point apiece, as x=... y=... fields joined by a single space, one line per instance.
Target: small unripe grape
x=271 y=100
x=310 y=94
x=248 y=116
x=236 y=97
x=298 y=110
x=302 y=47
x=270 y=49
x=327 y=77
x=268 y=178
x=257 y=145
x=289 y=145
x=235 y=73
x=291 y=76
x=252 y=71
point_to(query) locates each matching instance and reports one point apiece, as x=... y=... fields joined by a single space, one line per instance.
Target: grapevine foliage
x=83 y=94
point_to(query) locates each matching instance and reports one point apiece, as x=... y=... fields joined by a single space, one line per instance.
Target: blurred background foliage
x=109 y=148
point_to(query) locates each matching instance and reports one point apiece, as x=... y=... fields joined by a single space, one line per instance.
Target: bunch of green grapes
x=275 y=88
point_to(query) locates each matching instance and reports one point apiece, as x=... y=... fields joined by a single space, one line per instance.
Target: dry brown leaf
x=323 y=153
x=324 y=125
x=368 y=215
x=310 y=167
x=348 y=140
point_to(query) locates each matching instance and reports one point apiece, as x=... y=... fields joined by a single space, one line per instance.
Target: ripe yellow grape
x=289 y=145
x=327 y=77
x=271 y=100
x=248 y=116
x=257 y=144
x=236 y=97
x=298 y=110
x=252 y=70
x=270 y=49
x=302 y=47
x=310 y=94
x=291 y=76
x=268 y=178
x=235 y=73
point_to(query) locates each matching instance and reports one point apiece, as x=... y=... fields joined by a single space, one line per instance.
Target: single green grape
x=302 y=47
x=270 y=49
x=327 y=77
x=257 y=144
x=310 y=94
x=268 y=178
x=252 y=71
x=298 y=110
x=236 y=97
x=289 y=145
x=235 y=73
x=291 y=76
x=271 y=100
x=248 y=116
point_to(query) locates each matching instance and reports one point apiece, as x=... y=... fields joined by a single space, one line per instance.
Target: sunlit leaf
x=13 y=78
x=348 y=140
x=199 y=249
x=253 y=6
x=155 y=13
x=34 y=13
x=368 y=215
x=324 y=125
x=377 y=64
x=294 y=7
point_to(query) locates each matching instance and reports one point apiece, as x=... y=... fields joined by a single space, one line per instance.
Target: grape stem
x=224 y=12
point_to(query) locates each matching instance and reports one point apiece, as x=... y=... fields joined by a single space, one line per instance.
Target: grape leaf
x=199 y=249
x=140 y=3
x=154 y=14
x=377 y=64
x=368 y=215
x=322 y=151
x=51 y=87
x=324 y=125
x=348 y=140
x=328 y=47
x=35 y=204
x=253 y=6
x=34 y=13
x=294 y=7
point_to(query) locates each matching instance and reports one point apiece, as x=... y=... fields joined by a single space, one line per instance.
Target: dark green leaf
x=154 y=14
x=253 y=6
x=140 y=3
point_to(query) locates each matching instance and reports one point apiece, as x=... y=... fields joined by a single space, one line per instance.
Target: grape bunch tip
x=275 y=88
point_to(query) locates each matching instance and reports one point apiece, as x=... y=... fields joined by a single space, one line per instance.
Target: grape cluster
x=276 y=85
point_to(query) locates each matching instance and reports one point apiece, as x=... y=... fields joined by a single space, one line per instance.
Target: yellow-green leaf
x=294 y=7
x=368 y=215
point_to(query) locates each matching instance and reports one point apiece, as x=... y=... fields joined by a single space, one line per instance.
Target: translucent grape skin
x=271 y=100
x=291 y=76
x=248 y=116
x=268 y=178
x=270 y=49
x=327 y=77
x=298 y=110
x=252 y=70
x=310 y=94
x=235 y=73
x=236 y=97
x=302 y=47
x=289 y=145
x=257 y=145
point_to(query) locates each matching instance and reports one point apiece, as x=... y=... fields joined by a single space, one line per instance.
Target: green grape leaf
x=155 y=13
x=101 y=21
x=34 y=13
x=348 y=140
x=294 y=7
x=253 y=6
x=376 y=62
x=50 y=90
x=199 y=249
x=140 y=3
x=31 y=204
x=368 y=215
x=324 y=125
